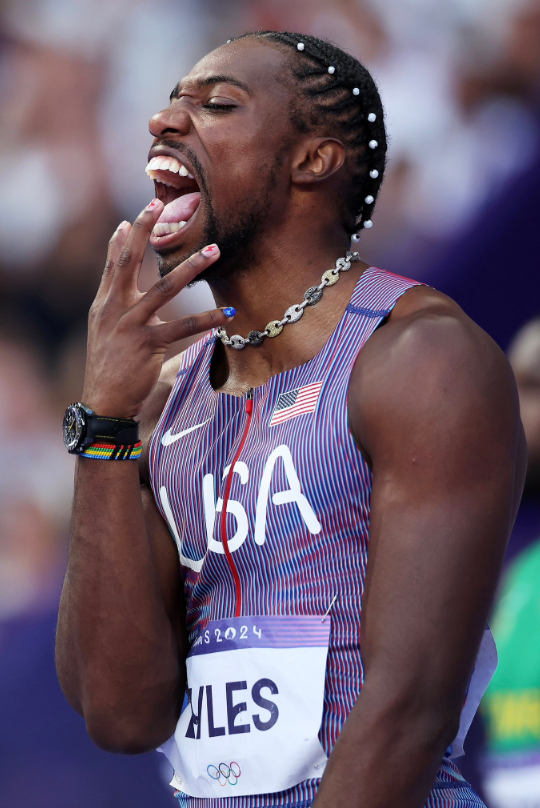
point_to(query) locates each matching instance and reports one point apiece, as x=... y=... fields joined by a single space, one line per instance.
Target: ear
x=317 y=159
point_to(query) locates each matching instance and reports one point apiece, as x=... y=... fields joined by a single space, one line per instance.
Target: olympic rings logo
x=225 y=774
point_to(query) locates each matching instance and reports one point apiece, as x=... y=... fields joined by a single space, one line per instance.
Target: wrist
x=109 y=408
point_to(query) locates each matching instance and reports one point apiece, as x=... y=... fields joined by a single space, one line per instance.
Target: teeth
x=154 y=175
x=156 y=163
x=166 y=164
x=165 y=228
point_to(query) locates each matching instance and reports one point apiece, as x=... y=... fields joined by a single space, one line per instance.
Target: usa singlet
x=297 y=506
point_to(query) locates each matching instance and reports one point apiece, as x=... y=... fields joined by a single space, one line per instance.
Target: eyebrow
x=208 y=81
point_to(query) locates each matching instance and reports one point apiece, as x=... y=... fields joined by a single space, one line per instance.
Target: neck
x=280 y=270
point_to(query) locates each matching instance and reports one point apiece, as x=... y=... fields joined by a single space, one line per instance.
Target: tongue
x=181 y=209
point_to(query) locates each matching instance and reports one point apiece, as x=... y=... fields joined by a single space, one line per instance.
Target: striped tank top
x=297 y=510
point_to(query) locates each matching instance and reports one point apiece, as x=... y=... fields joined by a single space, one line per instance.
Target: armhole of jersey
x=384 y=315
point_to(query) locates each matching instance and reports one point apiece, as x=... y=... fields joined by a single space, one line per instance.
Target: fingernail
x=230 y=311
x=152 y=204
x=212 y=249
x=122 y=225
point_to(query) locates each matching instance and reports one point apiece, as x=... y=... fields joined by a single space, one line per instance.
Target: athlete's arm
x=433 y=407
x=120 y=639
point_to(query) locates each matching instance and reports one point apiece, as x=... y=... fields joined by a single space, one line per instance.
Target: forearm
x=386 y=756
x=117 y=655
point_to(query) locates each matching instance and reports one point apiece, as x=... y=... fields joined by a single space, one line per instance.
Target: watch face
x=73 y=427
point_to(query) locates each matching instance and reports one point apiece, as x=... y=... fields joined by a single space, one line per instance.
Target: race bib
x=255 y=703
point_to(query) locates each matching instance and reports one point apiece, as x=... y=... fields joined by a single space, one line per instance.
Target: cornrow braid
x=340 y=93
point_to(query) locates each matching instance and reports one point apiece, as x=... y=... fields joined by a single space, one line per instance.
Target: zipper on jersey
x=224 y=538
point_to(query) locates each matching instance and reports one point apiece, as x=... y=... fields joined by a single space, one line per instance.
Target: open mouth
x=179 y=191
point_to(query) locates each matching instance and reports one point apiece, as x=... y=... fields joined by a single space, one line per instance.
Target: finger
x=128 y=264
x=169 y=286
x=116 y=244
x=167 y=333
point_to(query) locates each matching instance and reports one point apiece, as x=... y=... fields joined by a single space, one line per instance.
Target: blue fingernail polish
x=229 y=311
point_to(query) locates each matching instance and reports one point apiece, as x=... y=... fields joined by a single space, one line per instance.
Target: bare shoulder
x=427 y=327
x=423 y=313
x=154 y=407
x=427 y=359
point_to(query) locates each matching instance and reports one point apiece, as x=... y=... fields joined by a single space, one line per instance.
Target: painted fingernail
x=212 y=249
x=230 y=311
x=152 y=204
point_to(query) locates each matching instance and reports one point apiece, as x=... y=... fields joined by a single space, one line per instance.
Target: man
x=382 y=413
x=512 y=701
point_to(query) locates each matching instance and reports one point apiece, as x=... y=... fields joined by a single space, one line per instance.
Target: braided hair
x=338 y=91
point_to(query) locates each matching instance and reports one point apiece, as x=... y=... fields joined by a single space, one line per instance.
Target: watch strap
x=110 y=431
x=108 y=451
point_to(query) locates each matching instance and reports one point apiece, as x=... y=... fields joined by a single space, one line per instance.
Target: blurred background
x=460 y=209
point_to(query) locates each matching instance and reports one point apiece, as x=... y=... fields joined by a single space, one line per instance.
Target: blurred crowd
x=460 y=80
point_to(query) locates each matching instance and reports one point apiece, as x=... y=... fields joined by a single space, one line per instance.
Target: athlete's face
x=228 y=125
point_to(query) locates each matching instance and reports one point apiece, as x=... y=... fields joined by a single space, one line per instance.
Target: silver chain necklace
x=293 y=313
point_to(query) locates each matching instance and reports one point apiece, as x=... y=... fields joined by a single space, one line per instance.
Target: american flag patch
x=296 y=402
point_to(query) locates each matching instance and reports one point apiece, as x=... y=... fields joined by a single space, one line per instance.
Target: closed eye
x=219 y=106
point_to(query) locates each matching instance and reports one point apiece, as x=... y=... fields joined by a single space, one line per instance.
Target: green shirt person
x=512 y=701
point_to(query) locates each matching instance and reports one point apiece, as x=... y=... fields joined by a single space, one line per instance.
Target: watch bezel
x=77 y=411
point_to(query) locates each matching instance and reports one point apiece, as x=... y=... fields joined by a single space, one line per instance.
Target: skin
x=432 y=405
x=524 y=355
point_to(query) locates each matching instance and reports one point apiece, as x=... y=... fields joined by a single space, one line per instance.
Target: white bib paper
x=256 y=690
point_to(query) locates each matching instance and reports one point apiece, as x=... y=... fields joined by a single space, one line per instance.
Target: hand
x=127 y=341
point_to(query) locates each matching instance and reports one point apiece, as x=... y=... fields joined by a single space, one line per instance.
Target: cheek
x=242 y=158
x=237 y=183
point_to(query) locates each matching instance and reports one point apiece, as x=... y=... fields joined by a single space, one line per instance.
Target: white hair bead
x=373 y=144
x=331 y=69
x=374 y=174
x=356 y=91
x=300 y=46
x=369 y=199
x=355 y=237
x=368 y=224
x=372 y=117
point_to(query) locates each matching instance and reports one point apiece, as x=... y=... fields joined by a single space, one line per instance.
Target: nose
x=170 y=122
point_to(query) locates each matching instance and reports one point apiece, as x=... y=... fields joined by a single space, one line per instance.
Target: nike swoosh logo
x=169 y=438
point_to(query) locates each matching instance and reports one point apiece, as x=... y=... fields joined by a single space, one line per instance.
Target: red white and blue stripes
x=297 y=516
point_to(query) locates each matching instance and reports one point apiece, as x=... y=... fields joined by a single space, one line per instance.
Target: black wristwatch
x=82 y=429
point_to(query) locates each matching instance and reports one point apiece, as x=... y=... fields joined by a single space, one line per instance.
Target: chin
x=169 y=261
